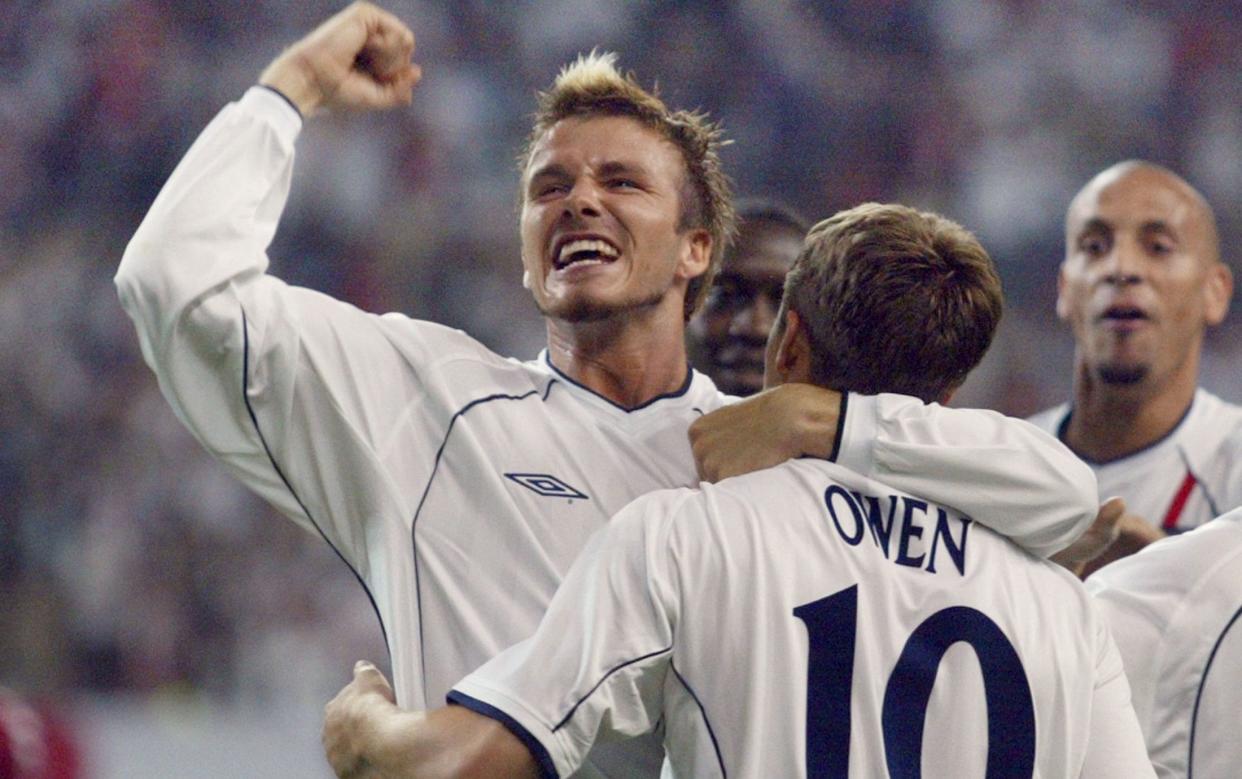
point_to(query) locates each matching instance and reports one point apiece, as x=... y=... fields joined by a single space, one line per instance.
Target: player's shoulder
x=460 y=354
x=704 y=393
x=1049 y=420
x=1210 y=439
x=450 y=340
x=769 y=486
x=1173 y=568
x=1213 y=419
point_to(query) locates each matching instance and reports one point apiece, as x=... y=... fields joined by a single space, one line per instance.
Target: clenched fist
x=358 y=59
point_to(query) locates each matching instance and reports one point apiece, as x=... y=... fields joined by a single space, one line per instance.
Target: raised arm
x=264 y=374
x=1002 y=471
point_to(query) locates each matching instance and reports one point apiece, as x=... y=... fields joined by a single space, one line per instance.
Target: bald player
x=727 y=337
x=1141 y=283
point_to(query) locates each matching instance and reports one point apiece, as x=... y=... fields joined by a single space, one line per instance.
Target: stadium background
x=185 y=630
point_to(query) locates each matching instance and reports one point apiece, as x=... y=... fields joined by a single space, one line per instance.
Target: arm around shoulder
x=1001 y=471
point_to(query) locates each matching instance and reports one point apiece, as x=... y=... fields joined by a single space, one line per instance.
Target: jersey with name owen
x=809 y=621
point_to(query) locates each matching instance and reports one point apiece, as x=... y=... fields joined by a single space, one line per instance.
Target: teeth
x=601 y=248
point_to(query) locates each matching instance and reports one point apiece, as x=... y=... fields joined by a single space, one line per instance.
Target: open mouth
x=577 y=251
x=1123 y=313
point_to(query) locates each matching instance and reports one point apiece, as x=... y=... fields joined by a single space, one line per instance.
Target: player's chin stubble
x=586 y=311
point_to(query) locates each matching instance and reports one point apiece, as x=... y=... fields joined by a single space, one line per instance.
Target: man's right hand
x=764 y=430
x=358 y=59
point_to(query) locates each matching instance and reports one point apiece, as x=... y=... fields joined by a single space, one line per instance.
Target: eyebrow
x=1158 y=226
x=1095 y=225
x=615 y=167
x=551 y=170
x=1098 y=225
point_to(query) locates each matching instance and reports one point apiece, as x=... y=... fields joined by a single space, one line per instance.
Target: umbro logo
x=546 y=486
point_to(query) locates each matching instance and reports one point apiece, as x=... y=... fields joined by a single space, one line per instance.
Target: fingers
x=369 y=679
x=1108 y=519
x=1138 y=532
x=388 y=47
x=358 y=59
x=1111 y=510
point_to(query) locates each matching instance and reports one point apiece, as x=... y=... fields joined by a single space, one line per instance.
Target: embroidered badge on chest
x=546 y=485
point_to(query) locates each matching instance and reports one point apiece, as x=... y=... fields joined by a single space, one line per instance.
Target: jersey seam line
x=702 y=712
x=435 y=469
x=1194 y=717
x=254 y=420
x=574 y=709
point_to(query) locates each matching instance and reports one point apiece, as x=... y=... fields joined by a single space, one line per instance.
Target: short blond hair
x=592 y=86
x=894 y=300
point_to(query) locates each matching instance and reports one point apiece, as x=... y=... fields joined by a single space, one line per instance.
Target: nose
x=754 y=321
x=1123 y=266
x=583 y=199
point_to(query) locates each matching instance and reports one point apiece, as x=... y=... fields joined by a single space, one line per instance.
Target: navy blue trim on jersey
x=685 y=387
x=565 y=720
x=1064 y=424
x=1194 y=717
x=836 y=442
x=706 y=722
x=418 y=589
x=285 y=98
x=547 y=768
x=254 y=419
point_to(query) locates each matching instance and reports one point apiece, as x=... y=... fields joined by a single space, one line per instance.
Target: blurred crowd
x=130 y=562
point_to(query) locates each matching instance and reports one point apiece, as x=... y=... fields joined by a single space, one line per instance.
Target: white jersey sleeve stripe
x=547 y=768
x=707 y=723
x=1207 y=670
x=254 y=419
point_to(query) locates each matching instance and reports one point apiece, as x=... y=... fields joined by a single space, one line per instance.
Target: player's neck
x=629 y=359
x=1112 y=421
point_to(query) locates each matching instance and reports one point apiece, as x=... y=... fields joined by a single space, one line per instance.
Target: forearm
x=447 y=743
x=1001 y=471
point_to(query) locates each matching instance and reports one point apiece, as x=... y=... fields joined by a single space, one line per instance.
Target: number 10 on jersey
x=831 y=625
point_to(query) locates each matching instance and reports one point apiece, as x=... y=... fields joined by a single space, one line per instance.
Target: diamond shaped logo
x=546 y=486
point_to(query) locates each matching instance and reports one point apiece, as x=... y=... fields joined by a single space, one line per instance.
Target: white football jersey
x=808 y=621
x=1175 y=609
x=1183 y=480
x=459 y=485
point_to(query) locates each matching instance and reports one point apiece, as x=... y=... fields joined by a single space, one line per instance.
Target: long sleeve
x=1022 y=481
x=304 y=398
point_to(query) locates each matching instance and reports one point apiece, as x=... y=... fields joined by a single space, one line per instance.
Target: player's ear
x=526 y=279
x=1217 y=290
x=1062 y=304
x=793 y=351
x=697 y=254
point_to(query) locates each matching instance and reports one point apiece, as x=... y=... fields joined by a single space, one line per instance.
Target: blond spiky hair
x=593 y=86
